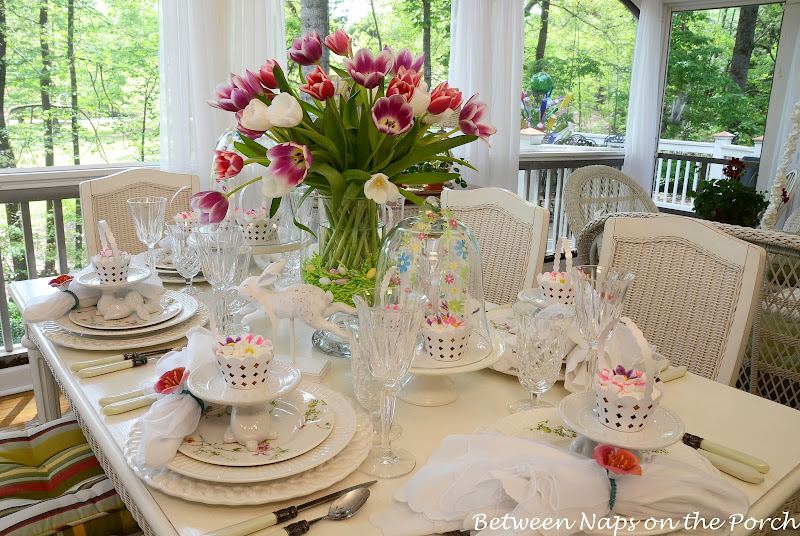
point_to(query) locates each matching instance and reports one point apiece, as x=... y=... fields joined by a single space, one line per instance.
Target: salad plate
x=88 y=318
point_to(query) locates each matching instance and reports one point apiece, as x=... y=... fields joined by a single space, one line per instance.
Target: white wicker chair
x=511 y=232
x=695 y=290
x=105 y=199
x=792 y=223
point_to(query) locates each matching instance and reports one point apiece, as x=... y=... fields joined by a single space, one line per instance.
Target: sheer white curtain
x=644 y=113
x=200 y=43
x=486 y=50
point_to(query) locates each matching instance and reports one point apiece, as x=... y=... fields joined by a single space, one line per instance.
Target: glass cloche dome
x=436 y=254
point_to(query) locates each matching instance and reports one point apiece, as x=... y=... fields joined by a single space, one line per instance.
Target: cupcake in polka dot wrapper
x=244 y=361
x=110 y=264
x=556 y=286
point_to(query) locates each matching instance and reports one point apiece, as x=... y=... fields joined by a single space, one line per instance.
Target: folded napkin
x=57 y=304
x=175 y=415
x=472 y=479
x=626 y=346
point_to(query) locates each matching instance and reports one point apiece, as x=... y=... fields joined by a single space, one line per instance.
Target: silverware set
x=105 y=365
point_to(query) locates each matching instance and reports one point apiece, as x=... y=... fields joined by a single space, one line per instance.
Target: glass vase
x=350 y=234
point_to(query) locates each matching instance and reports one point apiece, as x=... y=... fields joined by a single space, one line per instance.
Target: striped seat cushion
x=52 y=484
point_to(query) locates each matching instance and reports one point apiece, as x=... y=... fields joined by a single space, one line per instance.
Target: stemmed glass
x=600 y=293
x=235 y=302
x=219 y=247
x=541 y=345
x=389 y=321
x=148 y=219
x=366 y=388
x=185 y=255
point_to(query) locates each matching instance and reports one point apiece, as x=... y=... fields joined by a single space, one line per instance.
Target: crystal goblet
x=600 y=293
x=389 y=322
x=541 y=345
x=186 y=256
x=219 y=247
x=366 y=388
x=148 y=219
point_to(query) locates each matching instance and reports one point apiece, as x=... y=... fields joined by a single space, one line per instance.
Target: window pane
x=581 y=51
x=81 y=82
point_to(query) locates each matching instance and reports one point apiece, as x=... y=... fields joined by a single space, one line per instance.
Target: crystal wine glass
x=600 y=293
x=219 y=247
x=148 y=219
x=236 y=302
x=541 y=345
x=366 y=388
x=185 y=255
x=389 y=321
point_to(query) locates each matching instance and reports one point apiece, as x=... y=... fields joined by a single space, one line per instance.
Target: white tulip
x=380 y=189
x=255 y=116
x=285 y=111
x=272 y=188
x=420 y=101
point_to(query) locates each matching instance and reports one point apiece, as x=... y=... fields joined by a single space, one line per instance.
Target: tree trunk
x=80 y=255
x=542 y=42
x=44 y=85
x=314 y=16
x=426 y=40
x=377 y=29
x=743 y=49
x=17 y=241
x=50 y=241
x=73 y=83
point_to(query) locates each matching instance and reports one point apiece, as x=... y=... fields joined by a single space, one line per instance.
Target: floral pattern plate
x=339 y=440
x=88 y=318
x=188 y=308
x=301 y=421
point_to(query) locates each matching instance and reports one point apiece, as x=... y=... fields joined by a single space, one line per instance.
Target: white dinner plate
x=305 y=483
x=88 y=318
x=128 y=341
x=340 y=437
x=174 y=278
x=301 y=421
x=189 y=307
x=545 y=424
x=207 y=383
x=579 y=412
x=136 y=274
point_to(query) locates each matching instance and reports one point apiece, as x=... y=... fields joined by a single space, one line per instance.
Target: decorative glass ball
x=436 y=254
x=541 y=82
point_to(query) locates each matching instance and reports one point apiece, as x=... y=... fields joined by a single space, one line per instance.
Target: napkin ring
x=202 y=404
x=75 y=297
x=613 y=497
x=62 y=283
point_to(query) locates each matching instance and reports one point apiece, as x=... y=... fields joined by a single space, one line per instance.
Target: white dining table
x=715 y=411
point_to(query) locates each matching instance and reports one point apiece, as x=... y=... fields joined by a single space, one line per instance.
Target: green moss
x=357 y=278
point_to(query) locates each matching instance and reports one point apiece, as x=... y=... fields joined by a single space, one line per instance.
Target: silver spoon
x=342 y=508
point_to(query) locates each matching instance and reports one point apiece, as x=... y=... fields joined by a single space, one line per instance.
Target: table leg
x=45 y=388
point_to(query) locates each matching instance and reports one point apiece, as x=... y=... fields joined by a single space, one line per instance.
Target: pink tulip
x=266 y=76
x=410 y=76
x=319 y=85
x=471 y=115
x=618 y=461
x=289 y=163
x=444 y=97
x=227 y=164
x=393 y=115
x=306 y=50
x=405 y=58
x=368 y=70
x=211 y=206
x=400 y=87
x=237 y=93
x=339 y=43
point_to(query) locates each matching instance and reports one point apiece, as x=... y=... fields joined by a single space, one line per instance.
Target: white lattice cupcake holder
x=258 y=228
x=557 y=286
x=244 y=370
x=627 y=409
x=113 y=268
x=446 y=342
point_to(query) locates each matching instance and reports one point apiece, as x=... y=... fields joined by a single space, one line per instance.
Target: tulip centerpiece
x=353 y=141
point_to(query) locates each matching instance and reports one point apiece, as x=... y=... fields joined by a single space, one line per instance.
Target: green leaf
x=246 y=151
x=252 y=145
x=280 y=79
x=332 y=127
x=425 y=177
x=341 y=72
x=303 y=227
x=356 y=175
x=273 y=209
x=363 y=147
x=424 y=153
x=417 y=200
x=335 y=179
x=324 y=141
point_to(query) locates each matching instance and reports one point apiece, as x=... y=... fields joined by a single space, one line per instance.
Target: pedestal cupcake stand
x=112 y=305
x=250 y=413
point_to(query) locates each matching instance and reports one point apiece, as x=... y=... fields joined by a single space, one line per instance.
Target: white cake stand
x=251 y=422
x=109 y=303
x=429 y=382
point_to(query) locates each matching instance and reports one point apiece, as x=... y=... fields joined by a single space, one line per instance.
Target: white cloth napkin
x=626 y=346
x=172 y=417
x=494 y=475
x=58 y=303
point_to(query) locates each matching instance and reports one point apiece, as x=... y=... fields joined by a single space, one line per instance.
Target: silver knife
x=90 y=372
x=699 y=443
x=279 y=516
